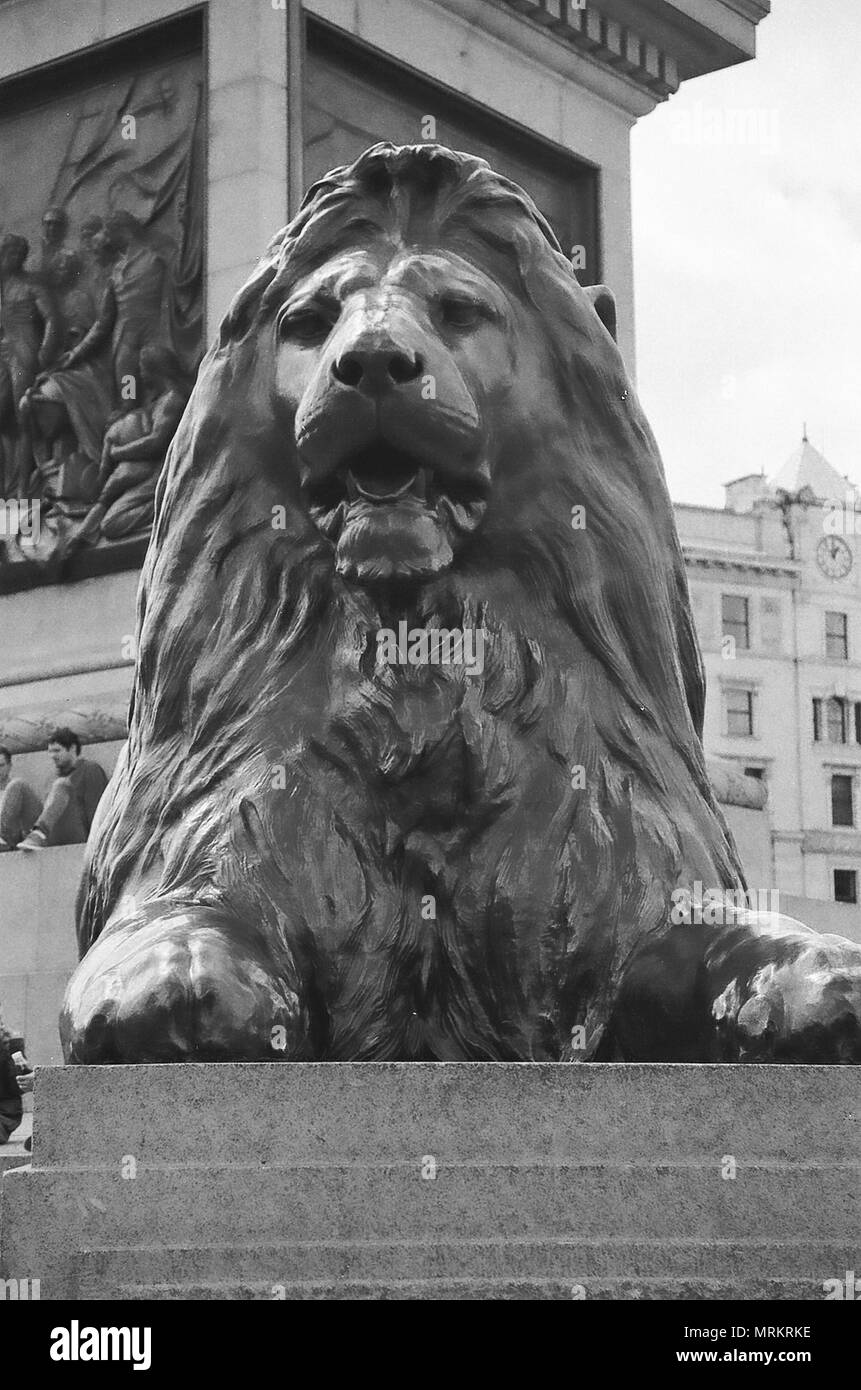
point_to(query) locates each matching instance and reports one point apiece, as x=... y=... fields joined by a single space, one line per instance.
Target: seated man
x=11 y=1108
x=19 y=805
x=71 y=803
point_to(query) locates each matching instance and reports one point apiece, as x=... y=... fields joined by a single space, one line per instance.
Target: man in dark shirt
x=19 y=805
x=71 y=803
x=11 y=1109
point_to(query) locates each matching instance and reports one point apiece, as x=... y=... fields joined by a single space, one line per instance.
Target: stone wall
x=37 y=943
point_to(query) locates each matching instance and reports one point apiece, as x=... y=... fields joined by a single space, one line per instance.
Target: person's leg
x=132 y=512
x=56 y=804
x=125 y=476
x=22 y=376
x=106 y=462
x=127 y=371
x=18 y=814
x=8 y=477
x=11 y=1112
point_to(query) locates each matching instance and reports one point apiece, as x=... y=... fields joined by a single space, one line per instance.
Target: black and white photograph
x=430 y=668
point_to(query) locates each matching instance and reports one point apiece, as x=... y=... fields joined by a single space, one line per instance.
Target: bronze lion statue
x=414 y=767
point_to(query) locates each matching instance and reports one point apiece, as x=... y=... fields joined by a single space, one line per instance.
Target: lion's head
x=413 y=408
x=415 y=375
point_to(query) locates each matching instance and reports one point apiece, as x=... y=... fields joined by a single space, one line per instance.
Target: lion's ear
x=604 y=304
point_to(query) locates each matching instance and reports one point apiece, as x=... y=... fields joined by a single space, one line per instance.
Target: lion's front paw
x=183 y=986
x=806 y=1009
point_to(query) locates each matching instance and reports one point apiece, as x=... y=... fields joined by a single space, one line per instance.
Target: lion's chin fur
x=404 y=540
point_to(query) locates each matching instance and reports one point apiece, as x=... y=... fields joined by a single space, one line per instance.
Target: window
x=836 y=637
x=739 y=713
x=736 y=619
x=842 y=812
x=756 y=772
x=835 y=718
x=845 y=886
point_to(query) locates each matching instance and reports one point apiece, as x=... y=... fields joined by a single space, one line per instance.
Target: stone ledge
x=378 y=1112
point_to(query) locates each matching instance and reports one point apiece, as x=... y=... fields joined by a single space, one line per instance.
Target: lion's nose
x=375 y=369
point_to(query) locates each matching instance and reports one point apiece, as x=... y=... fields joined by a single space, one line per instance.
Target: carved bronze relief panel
x=102 y=168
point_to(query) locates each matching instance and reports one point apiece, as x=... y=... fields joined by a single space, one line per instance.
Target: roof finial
x=804 y=438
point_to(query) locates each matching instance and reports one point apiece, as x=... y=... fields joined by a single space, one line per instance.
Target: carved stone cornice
x=706 y=559
x=604 y=39
x=654 y=43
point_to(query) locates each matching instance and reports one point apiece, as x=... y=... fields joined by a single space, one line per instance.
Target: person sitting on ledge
x=11 y=1108
x=19 y=805
x=71 y=803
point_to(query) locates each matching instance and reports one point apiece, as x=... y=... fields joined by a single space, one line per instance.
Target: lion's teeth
x=465 y=516
x=330 y=523
x=382 y=496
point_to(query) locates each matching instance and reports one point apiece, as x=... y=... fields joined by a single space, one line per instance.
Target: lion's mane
x=246 y=636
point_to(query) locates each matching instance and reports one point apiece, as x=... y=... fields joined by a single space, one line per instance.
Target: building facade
x=776 y=592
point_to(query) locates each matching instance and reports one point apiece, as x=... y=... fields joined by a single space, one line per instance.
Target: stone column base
x=416 y=1181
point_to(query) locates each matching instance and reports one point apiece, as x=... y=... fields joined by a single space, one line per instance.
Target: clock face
x=834 y=557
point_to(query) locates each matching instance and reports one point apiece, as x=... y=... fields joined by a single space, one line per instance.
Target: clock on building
x=834 y=557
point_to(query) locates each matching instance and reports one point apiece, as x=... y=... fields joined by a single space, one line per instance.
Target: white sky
x=747 y=256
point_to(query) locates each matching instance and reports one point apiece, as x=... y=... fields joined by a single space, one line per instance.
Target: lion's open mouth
x=383 y=477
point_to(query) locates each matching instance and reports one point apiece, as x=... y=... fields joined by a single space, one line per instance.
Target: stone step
x=616 y=1290
x=377 y=1112
x=268 y=1203
x=497 y=1258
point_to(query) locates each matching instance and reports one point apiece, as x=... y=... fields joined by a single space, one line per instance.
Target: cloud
x=747 y=237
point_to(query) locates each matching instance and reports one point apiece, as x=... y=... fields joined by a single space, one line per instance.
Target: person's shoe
x=37 y=839
x=4 y=848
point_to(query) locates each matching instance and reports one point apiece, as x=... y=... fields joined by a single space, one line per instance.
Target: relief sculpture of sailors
x=91 y=402
x=100 y=296
x=131 y=312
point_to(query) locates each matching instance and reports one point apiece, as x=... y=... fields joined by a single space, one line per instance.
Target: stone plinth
x=312 y=1181
x=38 y=950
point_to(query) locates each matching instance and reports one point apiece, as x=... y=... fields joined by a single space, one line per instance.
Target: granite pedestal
x=438 y=1181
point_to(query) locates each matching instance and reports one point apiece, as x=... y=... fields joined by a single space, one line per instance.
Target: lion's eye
x=306 y=326
x=459 y=311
